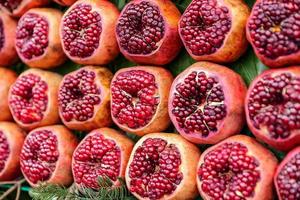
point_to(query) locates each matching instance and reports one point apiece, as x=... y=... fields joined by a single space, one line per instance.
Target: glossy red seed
x=4 y=150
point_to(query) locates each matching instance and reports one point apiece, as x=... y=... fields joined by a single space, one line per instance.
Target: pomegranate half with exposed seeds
x=206 y=103
x=273 y=107
x=102 y=153
x=37 y=38
x=163 y=166
x=147 y=31
x=8 y=53
x=274 y=32
x=32 y=99
x=287 y=177
x=84 y=98
x=47 y=156
x=65 y=2
x=214 y=30
x=11 y=141
x=88 y=32
x=139 y=99
x=237 y=168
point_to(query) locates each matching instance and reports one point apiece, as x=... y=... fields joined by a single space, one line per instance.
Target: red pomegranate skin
x=272 y=107
x=65 y=2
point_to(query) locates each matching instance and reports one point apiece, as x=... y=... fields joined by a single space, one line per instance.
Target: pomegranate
x=147 y=31
x=11 y=141
x=46 y=155
x=139 y=99
x=287 y=177
x=206 y=103
x=32 y=99
x=103 y=152
x=37 y=38
x=8 y=52
x=274 y=32
x=65 y=2
x=214 y=30
x=236 y=168
x=17 y=8
x=84 y=98
x=163 y=166
x=87 y=32
x=272 y=107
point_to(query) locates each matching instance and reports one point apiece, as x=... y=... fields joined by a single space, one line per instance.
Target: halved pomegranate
x=147 y=31
x=65 y=2
x=273 y=107
x=32 y=99
x=103 y=152
x=163 y=166
x=139 y=99
x=8 y=53
x=84 y=98
x=11 y=141
x=47 y=156
x=88 y=32
x=273 y=30
x=214 y=30
x=206 y=103
x=287 y=177
x=37 y=38
x=236 y=168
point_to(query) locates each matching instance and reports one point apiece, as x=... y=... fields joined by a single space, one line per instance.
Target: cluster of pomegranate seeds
x=198 y=103
x=32 y=35
x=140 y=28
x=274 y=103
x=96 y=156
x=1 y=34
x=204 y=26
x=81 y=31
x=28 y=100
x=154 y=170
x=78 y=96
x=229 y=173
x=10 y=4
x=134 y=98
x=274 y=27
x=4 y=150
x=288 y=179
x=39 y=155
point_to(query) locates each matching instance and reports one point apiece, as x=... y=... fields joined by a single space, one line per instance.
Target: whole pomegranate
x=47 y=156
x=214 y=30
x=88 y=32
x=8 y=52
x=206 y=103
x=274 y=32
x=32 y=99
x=163 y=166
x=287 y=177
x=11 y=141
x=236 y=168
x=139 y=99
x=37 y=38
x=103 y=152
x=147 y=31
x=272 y=107
x=84 y=98
x=65 y=2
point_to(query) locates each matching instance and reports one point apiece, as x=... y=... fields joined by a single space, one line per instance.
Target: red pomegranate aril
x=162 y=166
x=103 y=152
x=139 y=98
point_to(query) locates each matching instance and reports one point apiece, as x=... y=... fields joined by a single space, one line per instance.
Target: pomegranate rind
x=160 y=120
x=234 y=90
x=65 y=2
x=283 y=144
x=170 y=44
x=15 y=137
x=190 y=155
x=108 y=47
x=102 y=116
x=50 y=116
x=235 y=42
x=267 y=166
